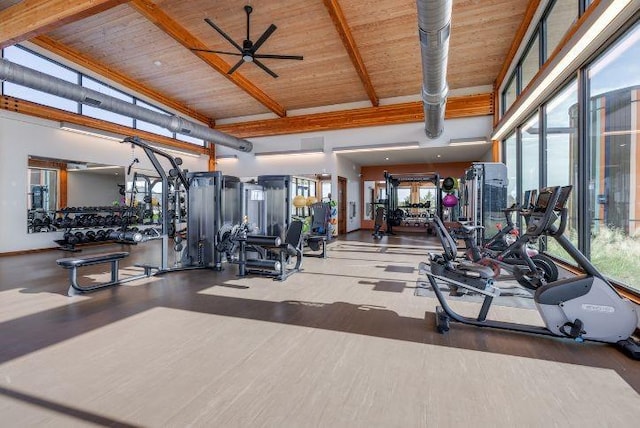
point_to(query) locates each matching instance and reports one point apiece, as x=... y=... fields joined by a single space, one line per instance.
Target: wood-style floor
x=346 y=343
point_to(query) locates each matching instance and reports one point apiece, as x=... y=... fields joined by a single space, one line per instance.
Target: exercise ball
x=449 y=184
x=311 y=200
x=450 y=200
x=299 y=201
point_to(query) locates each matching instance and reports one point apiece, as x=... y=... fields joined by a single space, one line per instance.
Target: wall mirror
x=56 y=184
x=375 y=195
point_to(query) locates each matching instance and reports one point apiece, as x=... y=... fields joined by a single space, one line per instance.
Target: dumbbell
x=70 y=238
x=101 y=235
x=177 y=243
x=81 y=237
x=128 y=236
x=100 y=221
x=91 y=236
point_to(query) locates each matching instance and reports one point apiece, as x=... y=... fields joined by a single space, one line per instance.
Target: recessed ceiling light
x=438 y=156
x=386 y=158
x=157 y=63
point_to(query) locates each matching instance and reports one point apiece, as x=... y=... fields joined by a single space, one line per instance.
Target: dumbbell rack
x=417 y=215
x=86 y=225
x=40 y=220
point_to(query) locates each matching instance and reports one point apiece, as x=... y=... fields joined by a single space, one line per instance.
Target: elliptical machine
x=585 y=307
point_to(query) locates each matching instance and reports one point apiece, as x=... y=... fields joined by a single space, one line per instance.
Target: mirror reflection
x=54 y=185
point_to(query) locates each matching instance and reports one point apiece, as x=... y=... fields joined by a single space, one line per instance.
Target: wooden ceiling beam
x=340 y=22
x=457 y=107
x=37 y=110
x=157 y=16
x=30 y=18
x=76 y=57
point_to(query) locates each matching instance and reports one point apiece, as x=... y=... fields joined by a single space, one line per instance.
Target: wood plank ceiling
x=382 y=33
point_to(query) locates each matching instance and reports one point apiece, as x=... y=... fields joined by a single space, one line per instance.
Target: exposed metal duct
x=434 y=25
x=33 y=79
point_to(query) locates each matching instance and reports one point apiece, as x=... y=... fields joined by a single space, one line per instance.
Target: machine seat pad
x=92 y=259
x=290 y=249
x=316 y=238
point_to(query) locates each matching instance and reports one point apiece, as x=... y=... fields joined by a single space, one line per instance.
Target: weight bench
x=74 y=263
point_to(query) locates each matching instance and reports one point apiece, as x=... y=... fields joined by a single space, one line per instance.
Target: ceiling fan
x=249 y=48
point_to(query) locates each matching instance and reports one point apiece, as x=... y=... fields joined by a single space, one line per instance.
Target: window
x=99 y=113
x=326 y=189
x=530 y=62
x=561 y=16
x=146 y=126
x=613 y=84
x=561 y=137
x=27 y=58
x=531 y=154
x=511 y=161
x=32 y=60
x=188 y=139
x=510 y=93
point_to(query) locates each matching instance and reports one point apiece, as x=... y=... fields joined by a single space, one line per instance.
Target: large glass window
x=511 y=160
x=530 y=136
x=99 y=113
x=614 y=189
x=530 y=62
x=188 y=139
x=29 y=59
x=561 y=157
x=561 y=16
x=150 y=127
x=510 y=93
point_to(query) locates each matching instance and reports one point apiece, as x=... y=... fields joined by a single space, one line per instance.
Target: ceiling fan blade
x=264 y=67
x=268 y=32
x=298 y=57
x=223 y=34
x=235 y=67
x=218 y=52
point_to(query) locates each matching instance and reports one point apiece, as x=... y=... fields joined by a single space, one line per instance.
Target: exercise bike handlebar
x=564 y=214
x=537 y=228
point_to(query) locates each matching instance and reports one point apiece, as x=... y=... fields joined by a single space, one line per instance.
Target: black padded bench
x=73 y=263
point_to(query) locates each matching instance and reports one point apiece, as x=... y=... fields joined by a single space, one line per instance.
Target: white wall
x=86 y=188
x=21 y=136
x=248 y=164
x=347 y=169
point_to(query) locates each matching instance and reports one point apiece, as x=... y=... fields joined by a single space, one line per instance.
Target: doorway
x=342 y=206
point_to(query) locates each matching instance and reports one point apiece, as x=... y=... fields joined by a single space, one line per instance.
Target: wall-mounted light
x=467 y=141
x=290 y=153
x=85 y=130
x=377 y=147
